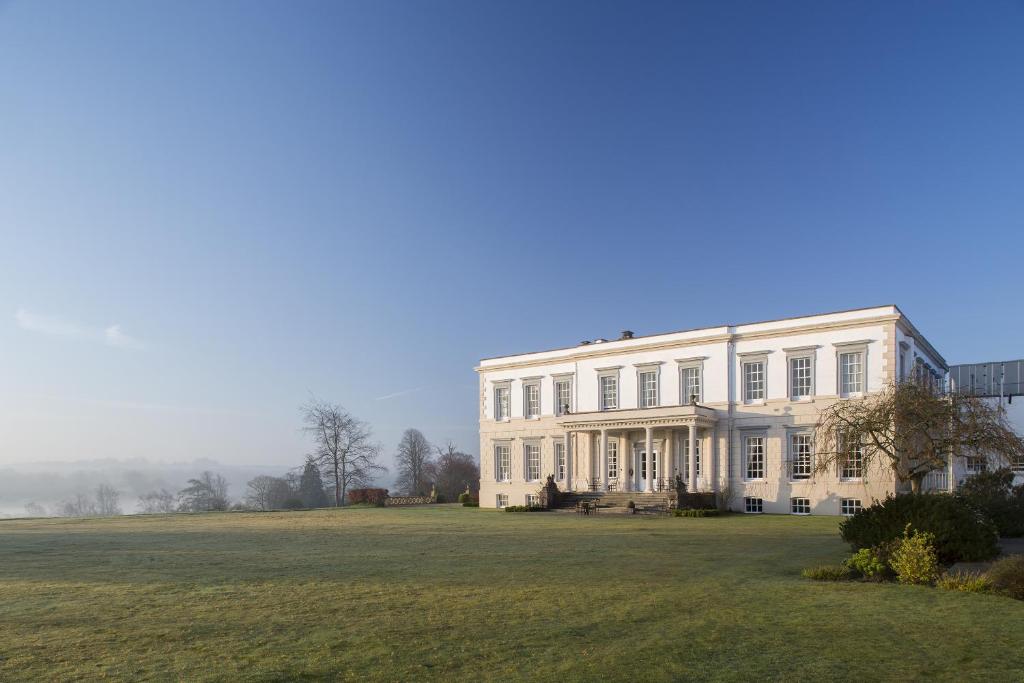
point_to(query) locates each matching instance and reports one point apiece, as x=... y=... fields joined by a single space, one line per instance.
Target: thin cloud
x=404 y=392
x=51 y=326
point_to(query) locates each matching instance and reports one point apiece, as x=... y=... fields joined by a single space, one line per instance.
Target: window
x=800 y=382
x=502 y=462
x=501 y=403
x=903 y=364
x=613 y=459
x=559 y=460
x=532 y=500
x=501 y=500
x=689 y=380
x=609 y=392
x=531 y=400
x=753 y=380
x=975 y=465
x=849 y=506
x=853 y=466
x=563 y=396
x=753 y=450
x=801 y=456
x=753 y=505
x=851 y=373
x=531 y=452
x=686 y=458
x=1017 y=464
x=648 y=381
x=800 y=506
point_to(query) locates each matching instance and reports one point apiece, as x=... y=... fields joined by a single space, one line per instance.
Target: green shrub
x=993 y=494
x=470 y=504
x=293 y=504
x=961 y=533
x=1007 y=576
x=828 y=572
x=465 y=497
x=914 y=559
x=966 y=582
x=525 y=508
x=871 y=563
x=696 y=513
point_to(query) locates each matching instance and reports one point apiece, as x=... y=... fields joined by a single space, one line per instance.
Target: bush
x=992 y=494
x=1007 y=576
x=368 y=496
x=961 y=533
x=525 y=508
x=711 y=512
x=828 y=572
x=966 y=582
x=914 y=559
x=293 y=504
x=465 y=497
x=470 y=504
x=871 y=563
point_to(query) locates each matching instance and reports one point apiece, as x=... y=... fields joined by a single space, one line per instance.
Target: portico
x=639 y=450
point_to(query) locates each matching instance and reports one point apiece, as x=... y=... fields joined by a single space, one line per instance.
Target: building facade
x=731 y=409
x=1001 y=383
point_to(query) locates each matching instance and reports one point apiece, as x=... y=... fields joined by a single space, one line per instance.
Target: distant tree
x=311 y=486
x=257 y=492
x=208 y=492
x=456 y=472
x=35 y=510
x=913 y=428
x=282 y=490
x=108 y=501
x=341 y=447
x=79 y=506
x=416 y=469
x=156 y=502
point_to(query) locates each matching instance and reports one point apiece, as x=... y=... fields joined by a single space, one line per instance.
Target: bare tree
x=107 y=501
x=79 y=506
x=156 y=502
x=208 y=492
x=341 y=447
x=456 y=472
x=416 y=470
x=34 y=509
x=257 y=494
x=914 y=429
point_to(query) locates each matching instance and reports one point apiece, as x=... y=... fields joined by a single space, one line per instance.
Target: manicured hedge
x=370 y=496
x=961 y=532
x=525 y=508
x=710 y=512
x=470 y=504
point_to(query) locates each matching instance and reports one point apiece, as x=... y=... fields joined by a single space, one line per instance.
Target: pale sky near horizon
x=210 y=211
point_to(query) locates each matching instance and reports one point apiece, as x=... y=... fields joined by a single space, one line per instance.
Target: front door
x=640 y=471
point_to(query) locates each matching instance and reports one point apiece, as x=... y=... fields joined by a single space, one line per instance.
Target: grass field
x=452 y=593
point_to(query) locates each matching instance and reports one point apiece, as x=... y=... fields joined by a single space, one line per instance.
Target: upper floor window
x=502 y=462
x=648 y=380
x=801 y=456
x=690 y=384
x=531 y=399
x=609 y=392
x=753 y=380
x=531 y=454
x=851 y=373
x=501 y=404
x=563 y=396
x=753 y=456
x=801 y=369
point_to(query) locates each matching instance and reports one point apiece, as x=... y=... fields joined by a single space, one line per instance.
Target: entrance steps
x=618 y=499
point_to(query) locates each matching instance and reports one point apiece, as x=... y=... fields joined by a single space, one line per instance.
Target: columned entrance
x=645 y=468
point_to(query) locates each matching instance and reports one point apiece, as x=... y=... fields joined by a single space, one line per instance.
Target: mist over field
x=50 y=483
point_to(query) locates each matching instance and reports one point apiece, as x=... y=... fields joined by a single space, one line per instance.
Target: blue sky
x=210 y=210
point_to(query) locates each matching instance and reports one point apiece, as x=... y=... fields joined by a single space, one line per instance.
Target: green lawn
x=449 y=592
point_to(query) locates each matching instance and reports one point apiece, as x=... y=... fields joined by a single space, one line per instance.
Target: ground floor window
x=559 y=460
x=686 y=458
x=753 y=505
x=531 y=452
x=800 y=506
x=849 y=506
x=613 y=460
x=502 y=500
x=533 y=499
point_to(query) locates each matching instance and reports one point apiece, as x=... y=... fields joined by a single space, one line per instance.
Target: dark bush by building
x=525 y=508
x=696 y=512
x=471 y=504
x=993 y=494
x=369 y=496
x=961 y=532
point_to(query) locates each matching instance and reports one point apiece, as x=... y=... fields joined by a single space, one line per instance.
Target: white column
x=667 y=473
x=604 y=460
x=649 y=455
x=691 y=485
x=568 y=461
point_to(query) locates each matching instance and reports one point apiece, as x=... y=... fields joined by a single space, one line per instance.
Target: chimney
x=627 y=334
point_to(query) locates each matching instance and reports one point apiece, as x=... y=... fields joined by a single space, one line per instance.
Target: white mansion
x=731 y=409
